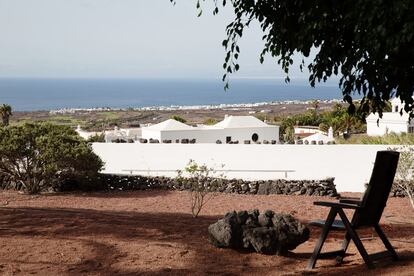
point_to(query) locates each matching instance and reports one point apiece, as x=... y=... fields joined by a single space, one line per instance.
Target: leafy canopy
x=369 y=44
x=40 y=156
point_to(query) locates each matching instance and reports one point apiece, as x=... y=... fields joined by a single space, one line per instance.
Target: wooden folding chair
x=368 y=212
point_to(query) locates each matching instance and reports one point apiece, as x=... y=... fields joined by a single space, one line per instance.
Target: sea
x=25 y=94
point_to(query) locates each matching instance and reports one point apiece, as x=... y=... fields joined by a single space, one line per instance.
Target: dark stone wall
x=324 y=187
x=110 y=182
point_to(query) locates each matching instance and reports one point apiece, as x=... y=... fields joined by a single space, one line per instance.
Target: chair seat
x=336 y=225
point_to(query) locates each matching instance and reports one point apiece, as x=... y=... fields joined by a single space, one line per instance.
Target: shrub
x=405 y=169
x=179 y=118
x=97 y=138
x=210 y=121
x=387 y=139
x=41 y=156
x=201 y=181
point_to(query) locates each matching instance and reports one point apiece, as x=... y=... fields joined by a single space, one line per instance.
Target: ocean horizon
x=30 y=94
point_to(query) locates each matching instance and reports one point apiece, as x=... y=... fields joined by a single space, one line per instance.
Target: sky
x=122 y=39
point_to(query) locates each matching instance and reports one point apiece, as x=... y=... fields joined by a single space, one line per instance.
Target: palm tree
x=315 y=105
x=5 y=113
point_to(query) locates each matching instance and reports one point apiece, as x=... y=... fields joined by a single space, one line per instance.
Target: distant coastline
x=155 y=94
x=239 y=106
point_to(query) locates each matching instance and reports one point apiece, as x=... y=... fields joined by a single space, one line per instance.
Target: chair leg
x=354 y=236
x=325 y=230
x=344 y=247
x=386 y=242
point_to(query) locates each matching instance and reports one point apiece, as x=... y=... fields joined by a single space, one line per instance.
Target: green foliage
x=388 y=139
x=369 y=44
x=98 y=138
x=178 y=118
x=342 y=121
x=338 y=118
x=289 y=135
x=210 y=121
x=5 y=113
x=40 y=156
x=200 y=180
x=404 y=175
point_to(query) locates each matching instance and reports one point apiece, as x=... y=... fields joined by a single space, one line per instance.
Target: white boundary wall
x=351 y=165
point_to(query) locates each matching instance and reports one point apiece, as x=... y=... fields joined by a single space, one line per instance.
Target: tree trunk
x=32 y=186
x=411 y=198
x=5 y=119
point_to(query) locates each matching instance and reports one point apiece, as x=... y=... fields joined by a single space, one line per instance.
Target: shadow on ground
x=113 y=194
x=102 y=230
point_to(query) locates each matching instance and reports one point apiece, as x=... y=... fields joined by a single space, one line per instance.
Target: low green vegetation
x=201 y=181
x=39 y=157
x=68 y=120
x=178 y=118
x=99 y=138
x=388 y=139
x=64 y=120
x=91 y=121
x=110 y=115
x=210 y=121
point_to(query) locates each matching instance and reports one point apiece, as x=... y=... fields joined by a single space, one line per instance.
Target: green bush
x=210 y=121
x=39 y=157
x=404 y=175
x=97 y=138
x=200 y=180
x=179 y=118
x=388 y=139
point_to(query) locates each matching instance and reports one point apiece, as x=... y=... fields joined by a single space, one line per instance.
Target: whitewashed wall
x=351 y=165
x=212 y=135
x=382 y=128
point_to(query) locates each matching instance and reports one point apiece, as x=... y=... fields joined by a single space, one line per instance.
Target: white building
x=318 y=138
x=123 y=134
x=117 y=133
x=391 y=121
x=305 y=131
x=86 y=134
x=168 y=130
x=231 y=129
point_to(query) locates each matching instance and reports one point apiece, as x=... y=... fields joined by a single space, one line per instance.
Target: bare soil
x=153 y=233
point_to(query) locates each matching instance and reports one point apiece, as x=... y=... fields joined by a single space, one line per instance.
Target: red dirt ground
x=153 y=233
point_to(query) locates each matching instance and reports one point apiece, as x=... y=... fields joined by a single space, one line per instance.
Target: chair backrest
x=378 y=190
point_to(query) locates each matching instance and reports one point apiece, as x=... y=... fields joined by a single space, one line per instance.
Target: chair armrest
x=351 y=201
x=336 y=205
x=350 y=197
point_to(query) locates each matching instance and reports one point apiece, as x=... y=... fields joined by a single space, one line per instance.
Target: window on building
x=255 y=137
x=411 y=129
x=228 y=139
x=396 y=109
